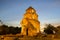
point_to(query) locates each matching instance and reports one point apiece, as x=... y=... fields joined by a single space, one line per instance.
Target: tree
x=3 y=29
x=58 y=30
x=50 y=29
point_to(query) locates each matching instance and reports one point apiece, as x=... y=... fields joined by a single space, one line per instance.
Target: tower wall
x=30 y=22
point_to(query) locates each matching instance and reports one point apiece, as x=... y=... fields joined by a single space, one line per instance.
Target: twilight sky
x=11 y=11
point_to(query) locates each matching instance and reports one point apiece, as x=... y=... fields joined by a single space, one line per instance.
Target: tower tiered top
x=30 y=9
x=31 y=13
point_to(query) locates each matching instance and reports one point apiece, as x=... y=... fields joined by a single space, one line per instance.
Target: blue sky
x=11 y=11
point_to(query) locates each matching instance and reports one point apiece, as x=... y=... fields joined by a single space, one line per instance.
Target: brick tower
x=30 y=24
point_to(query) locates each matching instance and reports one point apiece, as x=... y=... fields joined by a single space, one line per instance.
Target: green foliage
x=49 y=29
x=58 y=30
x=4 y=29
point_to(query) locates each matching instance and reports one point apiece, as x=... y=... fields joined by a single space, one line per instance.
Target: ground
x=21 y=37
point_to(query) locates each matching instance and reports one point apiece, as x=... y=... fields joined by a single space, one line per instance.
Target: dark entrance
x=27 y=31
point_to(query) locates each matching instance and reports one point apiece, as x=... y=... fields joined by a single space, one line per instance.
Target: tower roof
x=30 y=8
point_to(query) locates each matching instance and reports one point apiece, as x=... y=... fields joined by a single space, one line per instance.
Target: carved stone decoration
x=30 y=24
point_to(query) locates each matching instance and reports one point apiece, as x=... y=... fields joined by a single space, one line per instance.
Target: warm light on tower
x=30 y=24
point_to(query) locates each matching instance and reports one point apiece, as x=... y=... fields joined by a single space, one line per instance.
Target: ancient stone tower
x=30 y=24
